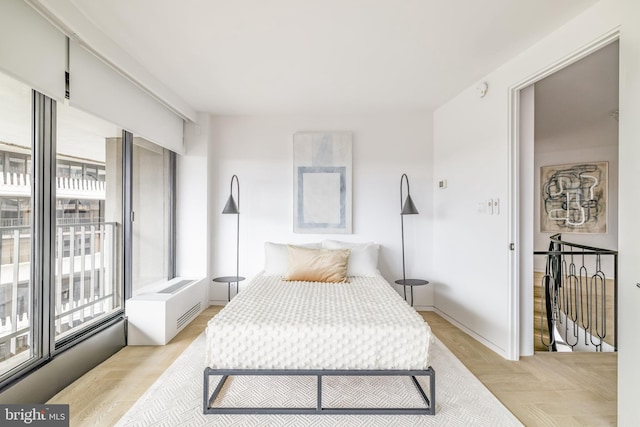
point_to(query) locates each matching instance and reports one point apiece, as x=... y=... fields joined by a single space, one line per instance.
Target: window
x=82 y=270
x=65 y=182
x=79 y=234
x=88 y=286
x=151 y=194
x=17 y=317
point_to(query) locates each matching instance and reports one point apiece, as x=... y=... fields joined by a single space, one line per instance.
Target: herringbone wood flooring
x=548 y=389
x=542 y=390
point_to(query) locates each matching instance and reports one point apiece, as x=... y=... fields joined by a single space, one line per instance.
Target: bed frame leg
x=205 y=391
x=319 y=407
x=208 y=400
x=430 y=402
x=432 y=392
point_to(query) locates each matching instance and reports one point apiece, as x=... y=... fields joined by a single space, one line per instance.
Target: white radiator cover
x=156 y=316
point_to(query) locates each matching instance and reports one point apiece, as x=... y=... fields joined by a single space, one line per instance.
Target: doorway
x=566 y=115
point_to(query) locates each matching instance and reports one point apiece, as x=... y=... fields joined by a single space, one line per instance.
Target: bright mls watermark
x=34 y=415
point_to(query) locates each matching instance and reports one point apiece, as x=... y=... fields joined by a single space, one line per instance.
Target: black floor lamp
x=232 y=208
x=407 y=207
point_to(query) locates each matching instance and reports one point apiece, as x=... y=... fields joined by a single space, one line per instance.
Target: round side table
x=229 y=280
x=411 y=283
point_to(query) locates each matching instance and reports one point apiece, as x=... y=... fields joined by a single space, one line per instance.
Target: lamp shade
x=409 y=207
x=230 y=207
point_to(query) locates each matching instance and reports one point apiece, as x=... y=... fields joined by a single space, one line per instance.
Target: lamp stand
x=232 y=208
x=407 y=207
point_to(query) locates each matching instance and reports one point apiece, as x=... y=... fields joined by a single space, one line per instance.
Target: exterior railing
x=20 y=222
x=85 y=281
x=580 y=299
x=15 y=275
x=19 y=184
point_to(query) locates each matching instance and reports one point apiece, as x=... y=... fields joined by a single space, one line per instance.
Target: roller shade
x=31 y=49
x=98 y=89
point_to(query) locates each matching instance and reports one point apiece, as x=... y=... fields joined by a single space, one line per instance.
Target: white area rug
x=175 y=399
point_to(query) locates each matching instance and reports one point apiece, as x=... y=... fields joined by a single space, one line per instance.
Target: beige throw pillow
x=317 y=265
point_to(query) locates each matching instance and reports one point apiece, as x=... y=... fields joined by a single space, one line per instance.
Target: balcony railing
x=85 y=285
x=580 y=302
x=19 y=184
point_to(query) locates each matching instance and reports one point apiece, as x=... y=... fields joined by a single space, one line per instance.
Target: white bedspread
x=273 y=324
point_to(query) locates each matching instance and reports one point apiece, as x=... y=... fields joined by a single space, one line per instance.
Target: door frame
x=516 y=288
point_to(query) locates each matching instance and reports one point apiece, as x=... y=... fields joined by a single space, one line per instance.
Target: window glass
x=17 y=317
x=150 y=198
x=88 y=220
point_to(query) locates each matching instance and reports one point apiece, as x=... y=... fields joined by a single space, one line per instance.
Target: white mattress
x=273 y=324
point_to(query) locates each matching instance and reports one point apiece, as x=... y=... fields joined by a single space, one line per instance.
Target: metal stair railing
x=575 y=300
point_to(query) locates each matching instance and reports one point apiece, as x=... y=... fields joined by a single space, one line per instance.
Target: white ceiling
x=323 y=56
x=578 y=96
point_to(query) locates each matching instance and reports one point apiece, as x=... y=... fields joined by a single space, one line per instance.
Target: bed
x=280 y=326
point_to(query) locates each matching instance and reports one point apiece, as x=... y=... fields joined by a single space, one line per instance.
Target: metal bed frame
x=209 y=400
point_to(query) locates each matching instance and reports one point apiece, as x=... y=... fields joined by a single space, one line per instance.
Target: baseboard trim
x=502 y=352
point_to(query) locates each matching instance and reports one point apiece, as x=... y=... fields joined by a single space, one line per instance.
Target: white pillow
x=276 y=257
x=363 y=260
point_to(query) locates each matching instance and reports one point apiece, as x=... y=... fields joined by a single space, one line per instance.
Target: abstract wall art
x=322 y=182
x=573 y=198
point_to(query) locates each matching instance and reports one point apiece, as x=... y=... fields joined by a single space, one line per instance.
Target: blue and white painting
x=322 y=182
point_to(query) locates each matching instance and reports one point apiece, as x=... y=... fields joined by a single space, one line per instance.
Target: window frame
x=43 y=246
x=129 y=219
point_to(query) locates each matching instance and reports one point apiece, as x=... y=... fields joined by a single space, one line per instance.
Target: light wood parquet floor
x=542 y=390
x=547 y=389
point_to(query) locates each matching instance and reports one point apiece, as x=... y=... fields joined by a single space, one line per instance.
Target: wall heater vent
x=188 y=315
x=157 y=316
x=175 y=287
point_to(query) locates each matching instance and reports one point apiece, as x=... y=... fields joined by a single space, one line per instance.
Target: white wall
x=471 y=150
x=629 y=226
x=192 y=202
x=259 y=150
x=466 y=121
